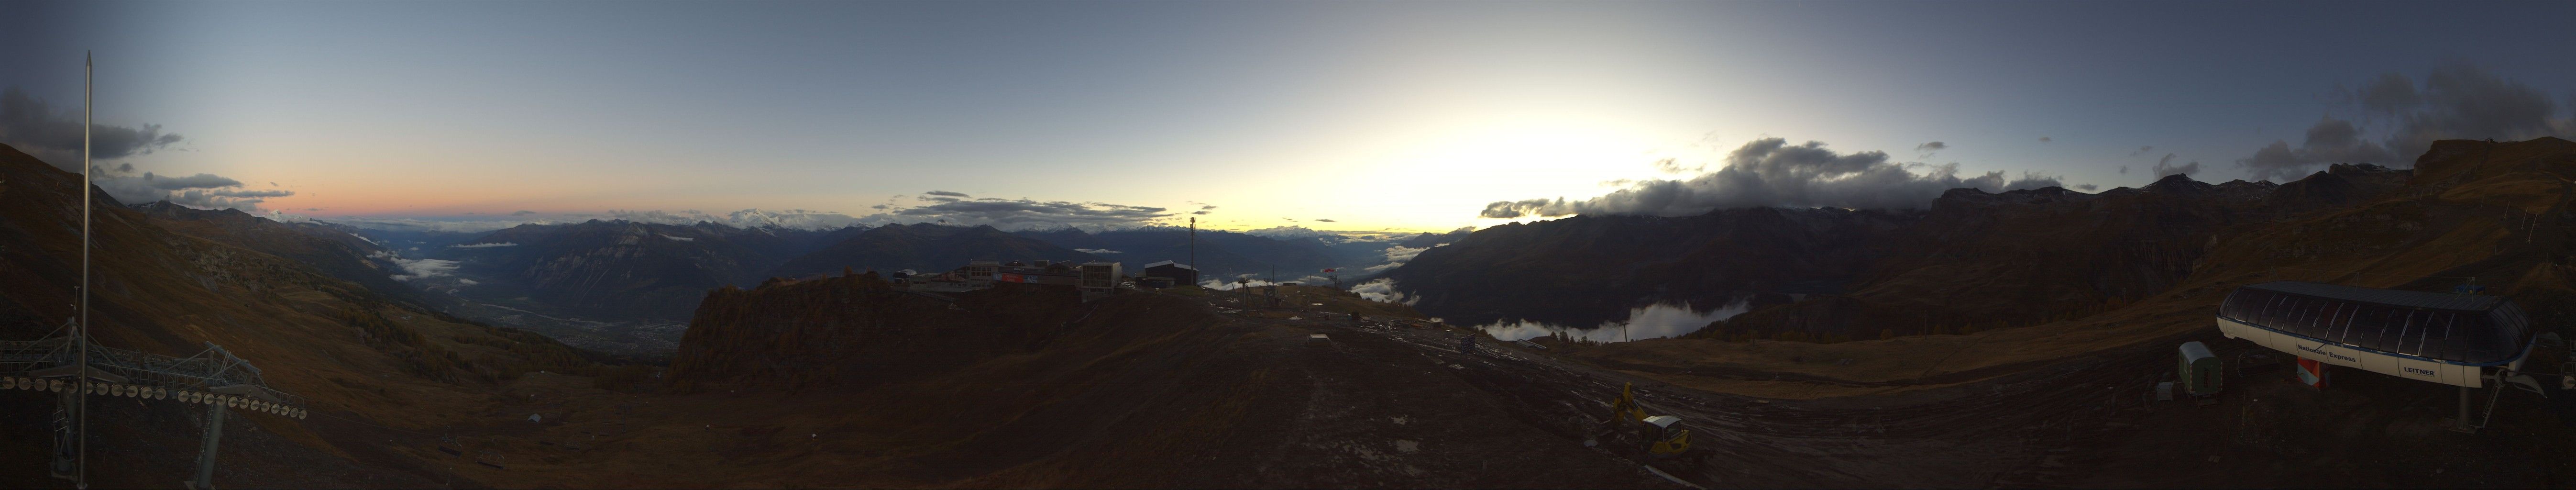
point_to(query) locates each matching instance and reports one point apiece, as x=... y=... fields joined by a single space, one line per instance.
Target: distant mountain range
x=1970 y=255
x=602 y=270
x=622 y=269
x=1429 y=239
x=922 y=247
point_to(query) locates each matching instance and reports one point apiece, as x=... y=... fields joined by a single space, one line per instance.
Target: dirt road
x=1949 y=438
x=2081 y=422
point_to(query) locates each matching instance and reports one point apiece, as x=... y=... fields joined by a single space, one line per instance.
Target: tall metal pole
x=80 y=479
x=205 y=479
x=1194 y=249
x=2463 y=426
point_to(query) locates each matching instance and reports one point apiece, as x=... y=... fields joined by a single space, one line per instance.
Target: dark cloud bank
x=1772 y=172
x=54 y=135
x=2452 y=102
x=2399 y=117
x=2164 y=166
x=1014 y=213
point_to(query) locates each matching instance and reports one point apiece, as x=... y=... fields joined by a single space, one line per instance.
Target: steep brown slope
x=2502 y=213
x=1587 y=269
x=354 y=354
x=334 y=252
x=1973 y=260
x=1979 y=260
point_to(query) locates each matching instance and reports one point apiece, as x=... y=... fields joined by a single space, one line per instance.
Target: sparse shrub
x=629 y=377
x=411 y=351
x=437 y=363
x=378 y=332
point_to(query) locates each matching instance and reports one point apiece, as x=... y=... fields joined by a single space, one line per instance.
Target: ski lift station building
x=1179 y=273
x=2451 y=339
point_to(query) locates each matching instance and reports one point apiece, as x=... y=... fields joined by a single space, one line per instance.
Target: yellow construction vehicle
x=1625 y=408
x=1655 y=434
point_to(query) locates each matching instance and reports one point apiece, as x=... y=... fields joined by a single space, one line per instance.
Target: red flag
x=1330 y=270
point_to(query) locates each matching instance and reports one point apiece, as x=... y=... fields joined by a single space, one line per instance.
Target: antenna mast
x=1194 y=248
x=80 y=477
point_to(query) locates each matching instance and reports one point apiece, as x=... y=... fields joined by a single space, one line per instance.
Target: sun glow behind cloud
x=1539 y=157
x=1419 y=175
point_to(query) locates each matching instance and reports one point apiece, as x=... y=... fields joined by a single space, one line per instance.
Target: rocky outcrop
x=2340 y=185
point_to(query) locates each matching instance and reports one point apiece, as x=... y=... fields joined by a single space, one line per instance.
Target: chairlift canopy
x=2449 y=328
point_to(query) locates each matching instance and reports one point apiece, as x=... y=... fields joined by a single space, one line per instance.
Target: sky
x=1406 y=116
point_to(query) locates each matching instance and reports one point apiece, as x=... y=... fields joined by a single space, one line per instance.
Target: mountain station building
x=1178 y=273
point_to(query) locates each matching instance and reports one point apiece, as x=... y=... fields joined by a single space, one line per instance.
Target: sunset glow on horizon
x=1341 y=116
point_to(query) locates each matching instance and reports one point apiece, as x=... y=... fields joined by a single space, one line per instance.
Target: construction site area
x=1972 y=419
x=1198 y=388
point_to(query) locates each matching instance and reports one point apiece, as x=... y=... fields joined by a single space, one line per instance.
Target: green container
x=2201 y=372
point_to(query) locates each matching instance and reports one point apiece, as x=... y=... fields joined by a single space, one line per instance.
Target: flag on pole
x=1332 y=269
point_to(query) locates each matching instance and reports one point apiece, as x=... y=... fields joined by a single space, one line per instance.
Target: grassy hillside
x=352 y=352
x=2497 y=212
